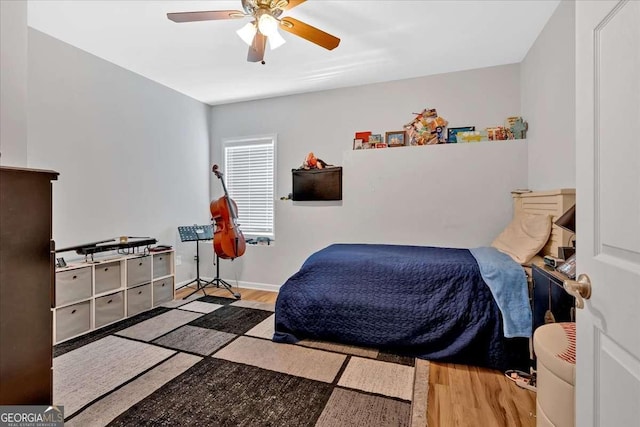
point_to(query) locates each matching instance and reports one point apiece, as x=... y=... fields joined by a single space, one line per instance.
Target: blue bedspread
x=508 y=284
x=426 y=302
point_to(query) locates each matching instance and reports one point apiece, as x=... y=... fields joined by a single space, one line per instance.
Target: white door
x=608 y=211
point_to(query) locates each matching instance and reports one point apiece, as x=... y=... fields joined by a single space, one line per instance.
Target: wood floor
x=458 y=395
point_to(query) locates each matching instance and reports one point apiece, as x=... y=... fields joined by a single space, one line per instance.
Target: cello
x=228 y=240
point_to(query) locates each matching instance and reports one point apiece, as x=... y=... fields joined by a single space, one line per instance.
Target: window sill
x=251 y=241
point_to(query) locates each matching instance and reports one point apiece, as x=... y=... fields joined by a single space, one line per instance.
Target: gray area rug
x=217 y=392
x=196 y=340
x=175 y=367
x=157 y=326
x=85 y=339
x=83 y=375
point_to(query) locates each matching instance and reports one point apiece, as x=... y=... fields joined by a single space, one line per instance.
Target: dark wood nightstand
x=548 y=294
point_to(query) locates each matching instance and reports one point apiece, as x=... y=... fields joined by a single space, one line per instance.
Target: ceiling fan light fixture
x=266 y=21
x=247 y=33
x=276 y=40
x=267 y=24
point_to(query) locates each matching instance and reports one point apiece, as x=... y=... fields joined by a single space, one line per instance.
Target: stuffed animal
x=312 y=162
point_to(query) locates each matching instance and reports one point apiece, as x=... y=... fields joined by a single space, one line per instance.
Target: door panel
x=619 y=370
x=608 y=206
x=617 y=122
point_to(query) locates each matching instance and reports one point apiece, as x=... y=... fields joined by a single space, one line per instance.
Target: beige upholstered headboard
x=554 y=203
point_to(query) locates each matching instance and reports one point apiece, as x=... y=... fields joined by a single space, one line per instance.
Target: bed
x=468 y=306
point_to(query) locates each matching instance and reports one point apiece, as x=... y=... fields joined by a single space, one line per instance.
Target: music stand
x=196 y=233
x=220 y=282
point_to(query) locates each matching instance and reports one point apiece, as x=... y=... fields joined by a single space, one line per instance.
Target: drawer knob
x=163 y=285
x=73 y=311
x=160 y=258
x=74 y=277
x=110 y=301
x=139 y=292
x=106 y=269
x=140 y=264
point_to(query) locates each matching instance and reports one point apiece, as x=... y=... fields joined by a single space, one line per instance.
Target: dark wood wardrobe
x=26 y=286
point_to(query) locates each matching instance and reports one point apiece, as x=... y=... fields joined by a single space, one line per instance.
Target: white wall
x=13 y=83
x=440 y=195
x=133 y=155
x=548 y=102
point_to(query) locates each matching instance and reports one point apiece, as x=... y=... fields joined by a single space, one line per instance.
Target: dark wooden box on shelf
x=317 y=184
x=26 y=286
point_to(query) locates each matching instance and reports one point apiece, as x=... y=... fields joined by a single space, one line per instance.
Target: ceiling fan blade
x=310 y=33
x=205 y=16
x=294 y=3
x=256 y=50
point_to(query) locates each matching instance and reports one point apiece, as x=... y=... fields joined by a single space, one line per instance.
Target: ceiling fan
x=265 y=15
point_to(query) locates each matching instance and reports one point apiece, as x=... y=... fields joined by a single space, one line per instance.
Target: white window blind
x=249 y=176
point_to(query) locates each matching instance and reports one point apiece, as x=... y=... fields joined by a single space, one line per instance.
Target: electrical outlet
x=178 y=260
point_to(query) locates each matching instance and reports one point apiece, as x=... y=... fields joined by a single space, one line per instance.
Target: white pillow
x=524 y=236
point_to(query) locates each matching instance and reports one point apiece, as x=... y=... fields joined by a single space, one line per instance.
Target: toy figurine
x=519 y=128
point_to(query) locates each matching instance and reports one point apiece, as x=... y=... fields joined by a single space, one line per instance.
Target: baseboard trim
x=260 y=286
x=246 y=285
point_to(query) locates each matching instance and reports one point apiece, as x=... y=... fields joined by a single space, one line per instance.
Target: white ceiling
x=381 y=41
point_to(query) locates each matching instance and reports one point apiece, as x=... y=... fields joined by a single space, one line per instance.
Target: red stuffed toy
x=312 y=162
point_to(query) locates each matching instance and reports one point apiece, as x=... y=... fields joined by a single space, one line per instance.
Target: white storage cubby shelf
x=90 y=295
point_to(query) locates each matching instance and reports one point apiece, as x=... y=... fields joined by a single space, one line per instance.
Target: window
x=249 y=176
